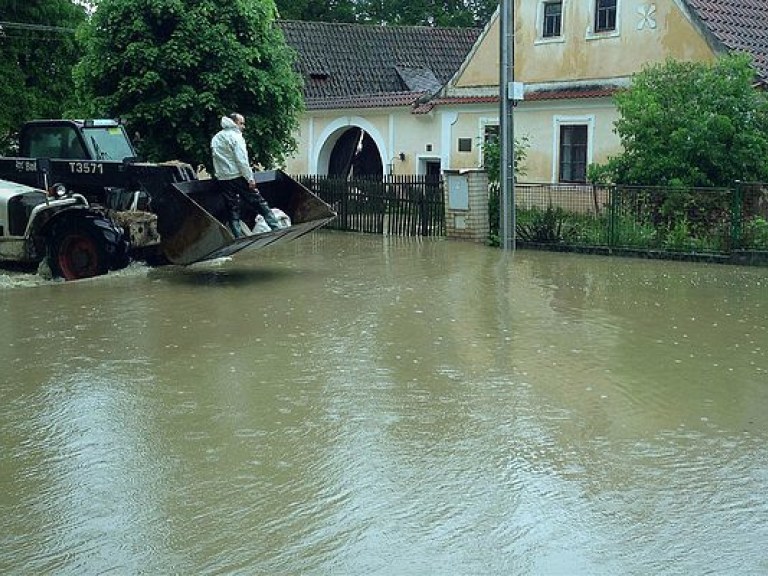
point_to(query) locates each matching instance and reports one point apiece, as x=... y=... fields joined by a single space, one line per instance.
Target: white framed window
x=605 y=15
x=488 y=130
x=606 y=19
x=572 y=162
x=572 y=149
x=550 y=21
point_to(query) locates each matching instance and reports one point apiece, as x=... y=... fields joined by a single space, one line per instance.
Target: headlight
x=57 y=191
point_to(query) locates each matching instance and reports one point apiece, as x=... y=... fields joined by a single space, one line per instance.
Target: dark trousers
x=236 y=191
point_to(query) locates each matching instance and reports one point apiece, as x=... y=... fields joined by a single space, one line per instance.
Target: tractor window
x=55 y=142
x=108 y=143
x=43 y=145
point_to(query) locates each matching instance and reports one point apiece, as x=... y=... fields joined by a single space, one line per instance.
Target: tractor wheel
x=86 y=246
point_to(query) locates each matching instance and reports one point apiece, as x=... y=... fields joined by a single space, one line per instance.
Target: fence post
x=423 y=218
x=613 y=195
x=737 y=201
x=342 y=186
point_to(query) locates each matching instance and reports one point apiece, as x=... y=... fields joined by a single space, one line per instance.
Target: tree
x=492 y=157
x=692 y=124
x=456 y=13
x=317 y=10
x=37 y=51
x=172 y=68
x=492 y=164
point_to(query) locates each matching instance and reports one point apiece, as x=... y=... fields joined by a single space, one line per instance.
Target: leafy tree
x=692 y=124
x=492 y=164
x=456 y=13
x=37 y=51
x=317 y=10
x=451 y=13
x=492 y=157
x=172 y=68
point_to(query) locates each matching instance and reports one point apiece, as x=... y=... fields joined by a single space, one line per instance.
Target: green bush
x=685 y=236
x=550 y=226
x=635 y=232
x=678 y=219
x=755 y=233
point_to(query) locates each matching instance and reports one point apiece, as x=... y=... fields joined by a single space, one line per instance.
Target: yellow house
x=570 y=55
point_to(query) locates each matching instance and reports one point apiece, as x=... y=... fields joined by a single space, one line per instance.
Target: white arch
x=318 y=162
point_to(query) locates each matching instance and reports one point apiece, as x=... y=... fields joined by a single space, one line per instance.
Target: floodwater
x=358 y=405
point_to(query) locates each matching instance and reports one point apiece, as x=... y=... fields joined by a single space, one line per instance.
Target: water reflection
x=351 y=404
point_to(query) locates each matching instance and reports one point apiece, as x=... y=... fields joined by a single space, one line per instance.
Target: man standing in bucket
x=233 y=171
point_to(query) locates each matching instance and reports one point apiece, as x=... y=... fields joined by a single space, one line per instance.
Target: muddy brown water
x=350 y=404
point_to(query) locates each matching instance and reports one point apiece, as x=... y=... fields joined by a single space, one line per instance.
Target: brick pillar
x=466 y=205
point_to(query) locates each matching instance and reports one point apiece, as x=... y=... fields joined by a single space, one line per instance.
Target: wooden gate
x=397 y=205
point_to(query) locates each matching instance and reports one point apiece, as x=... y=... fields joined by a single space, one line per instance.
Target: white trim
x=391 y=128
x=422 y=159
x=613 y=82
x=311 y=141
x=582 y=120
x=482 y=122
x=447 y=119
x=540 y=38
x=328 y=137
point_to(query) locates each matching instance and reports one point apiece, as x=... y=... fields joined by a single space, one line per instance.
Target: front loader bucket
x=191 y=217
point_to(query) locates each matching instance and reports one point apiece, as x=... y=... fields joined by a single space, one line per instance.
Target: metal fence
x=396 y=205
x=690 y=220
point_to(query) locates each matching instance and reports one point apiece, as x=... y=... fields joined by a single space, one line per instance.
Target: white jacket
x=230 y=156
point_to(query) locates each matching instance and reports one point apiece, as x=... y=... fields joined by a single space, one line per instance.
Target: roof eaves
x=533 y=96
x=381 y=100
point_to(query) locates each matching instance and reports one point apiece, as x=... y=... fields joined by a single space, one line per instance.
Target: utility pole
x=506 y=124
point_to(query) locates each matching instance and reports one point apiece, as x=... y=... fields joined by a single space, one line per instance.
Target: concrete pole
x=506 y=124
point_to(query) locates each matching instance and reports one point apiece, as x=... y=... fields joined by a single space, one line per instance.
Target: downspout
x=448 y=119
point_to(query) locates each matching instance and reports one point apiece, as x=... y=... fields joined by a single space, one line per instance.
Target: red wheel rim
x=78 y=257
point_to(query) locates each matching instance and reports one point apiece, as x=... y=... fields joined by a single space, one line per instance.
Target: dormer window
x=605 y=15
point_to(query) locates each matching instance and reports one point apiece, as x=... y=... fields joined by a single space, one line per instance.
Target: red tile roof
x=738 y=25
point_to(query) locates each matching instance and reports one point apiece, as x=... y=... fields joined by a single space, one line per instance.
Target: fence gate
x=397 y=205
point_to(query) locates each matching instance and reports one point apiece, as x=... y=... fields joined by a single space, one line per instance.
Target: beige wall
x=394 y=130
x=298 y=162
x=540 y=123
x=482 y=67
x=646 y=32
x=583 y=55
x=404 y=132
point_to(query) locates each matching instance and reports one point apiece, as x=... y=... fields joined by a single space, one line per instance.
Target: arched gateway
x=350 y=146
